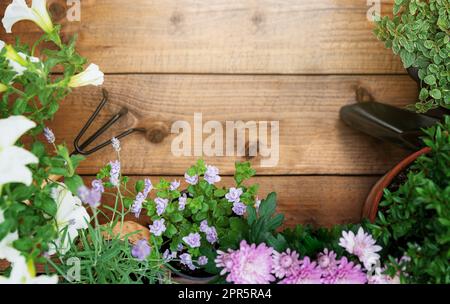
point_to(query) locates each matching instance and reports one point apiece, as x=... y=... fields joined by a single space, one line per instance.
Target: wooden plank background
x=293 y=61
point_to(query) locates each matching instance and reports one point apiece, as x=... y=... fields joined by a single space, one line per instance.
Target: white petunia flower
x=7 y=251
x=13 y=159
x=18 y=10
x=18 y=61
x=70 y=217
x=91 y=76
x=24 y=273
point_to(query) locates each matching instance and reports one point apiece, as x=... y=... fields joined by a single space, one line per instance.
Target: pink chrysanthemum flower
x=285 y=264
x=308 y=273
x=326 y=261
x=251 y=264
x=224 y=260
x=345 y=273
x=362 y=245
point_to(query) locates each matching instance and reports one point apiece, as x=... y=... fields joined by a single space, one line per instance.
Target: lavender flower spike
x=115 y=173
x=49 y=135
x=116 y=144
x=148 y=186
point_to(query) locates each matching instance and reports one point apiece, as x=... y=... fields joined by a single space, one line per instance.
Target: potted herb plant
x=419 y=33
x=413 y=217
x=188 y=225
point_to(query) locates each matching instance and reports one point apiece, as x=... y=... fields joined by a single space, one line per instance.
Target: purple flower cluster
x=169 y=256
x=252 y=264
x=158 y=227
x=141 y=250
x=212 y=175
x=182 y=202
x=202 y=261
x=147 y=187
x=192 y=240
x=97 y=185
x=211 y=233
x=115 y=173
x=191 y=180
x=92 y=197
x=161 y=205
x=49 y=135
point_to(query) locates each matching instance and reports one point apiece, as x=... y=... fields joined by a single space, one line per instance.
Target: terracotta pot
x=370 y=208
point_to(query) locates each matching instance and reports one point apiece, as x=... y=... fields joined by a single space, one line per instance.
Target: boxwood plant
x=419 y=34
x=415 y=218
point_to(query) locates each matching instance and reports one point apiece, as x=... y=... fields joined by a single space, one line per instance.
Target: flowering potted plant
x=419 y=34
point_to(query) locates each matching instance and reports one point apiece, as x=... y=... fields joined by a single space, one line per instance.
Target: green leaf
x=430 y=80
x=436 y=94
x=74 y=183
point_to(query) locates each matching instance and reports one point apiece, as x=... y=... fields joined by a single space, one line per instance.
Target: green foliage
x=415 y=219
x=107 y=260
x=419 y=34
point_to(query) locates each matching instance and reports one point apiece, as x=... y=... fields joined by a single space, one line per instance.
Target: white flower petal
x=12 y=128
x=15 y=12
x=13 y=161
x=91 y=76
x=20 y=274
x=18 y=10
x=7 y=251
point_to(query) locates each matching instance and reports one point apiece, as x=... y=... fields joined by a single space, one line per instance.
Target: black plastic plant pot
x=193 y=277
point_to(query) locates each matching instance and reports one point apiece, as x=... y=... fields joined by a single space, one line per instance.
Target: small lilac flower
x=141 y=250
x=186 y=259
x=169 y=256
x=182 y=200
x=49 y=135
x=239 y=208
x=88 y=196
x=211 y=235
x=174 y=185
x=137 y=204
x=161 y=205
x=180 y=247
x=202 y=261
x=158 y=227
x=148 y=187
x=115 y=173
x=192 y=180
x=204 y=226
x=97 y=185
x=116 y=144
x=234 y=195
x=193 y=240
x=212 y=175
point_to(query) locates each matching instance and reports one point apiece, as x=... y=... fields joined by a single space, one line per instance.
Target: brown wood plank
x=313 y=140
x=225 y=36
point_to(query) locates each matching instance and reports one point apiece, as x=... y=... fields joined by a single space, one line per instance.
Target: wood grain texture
x=313 y=140
x=225 y=36
x=316 y=200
